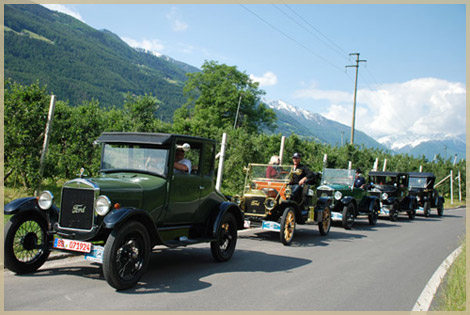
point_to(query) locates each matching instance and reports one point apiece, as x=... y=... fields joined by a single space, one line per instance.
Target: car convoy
x=140 y=199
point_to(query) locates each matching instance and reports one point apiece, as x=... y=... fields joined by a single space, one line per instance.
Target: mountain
x=429 y=146
x=78 y=63
x=292 y=119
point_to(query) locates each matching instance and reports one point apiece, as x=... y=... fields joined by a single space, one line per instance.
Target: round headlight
x=338 y=195
x=45 y=200
x=236 y=199
x=418 y=198
x=288 y=193
x=384 y=196
x=102 y=205
x=270 y=203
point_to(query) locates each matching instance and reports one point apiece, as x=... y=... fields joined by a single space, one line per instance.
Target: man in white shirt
x=181 y=164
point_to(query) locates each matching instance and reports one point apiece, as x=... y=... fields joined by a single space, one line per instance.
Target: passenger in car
x=181 y=164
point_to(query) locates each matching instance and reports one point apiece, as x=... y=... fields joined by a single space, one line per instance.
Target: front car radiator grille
x=77 y=208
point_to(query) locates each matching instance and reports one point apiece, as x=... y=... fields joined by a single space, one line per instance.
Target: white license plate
x=72 y=245
x=336 y=216
x=247 y=224
x=271 y=226
x=96 y=254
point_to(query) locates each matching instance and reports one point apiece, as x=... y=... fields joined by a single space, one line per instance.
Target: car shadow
x=184 y=269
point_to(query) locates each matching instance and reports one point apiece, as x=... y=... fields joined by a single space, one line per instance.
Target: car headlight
x=288 y=193
x=418 y=198
x=384 y=196
x=236 y=199
x=270 y=203
x=338 y=195
x=45 y=200
x=102 y=205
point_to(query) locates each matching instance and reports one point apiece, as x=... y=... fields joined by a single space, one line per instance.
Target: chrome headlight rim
x=384 y=196
x=270 y=203
x=45 y=200
x=237 y=200
x=102 y=205
x=338 y=195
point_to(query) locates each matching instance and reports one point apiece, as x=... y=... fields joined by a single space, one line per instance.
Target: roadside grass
x=453 y=294
x=456 y=203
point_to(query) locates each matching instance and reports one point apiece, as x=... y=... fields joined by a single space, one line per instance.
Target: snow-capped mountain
x=292 y=119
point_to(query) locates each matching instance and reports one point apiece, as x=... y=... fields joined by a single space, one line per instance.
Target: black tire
x=126 y=255
x=222 y=249
x=348 y=216
x=375 y=214
x=325 y=225
x=27 y=245
x=427 y=209
x=394 y=212
x=412 y=212
x=440 y=208
x=287 y=226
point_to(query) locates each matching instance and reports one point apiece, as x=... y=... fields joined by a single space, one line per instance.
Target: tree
x=214 y=96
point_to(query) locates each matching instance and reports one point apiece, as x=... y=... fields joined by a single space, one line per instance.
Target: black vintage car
x=421 y=186
x=137 y=201
x=392 y=189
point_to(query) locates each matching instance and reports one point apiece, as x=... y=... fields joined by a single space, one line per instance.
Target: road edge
x=427 y=295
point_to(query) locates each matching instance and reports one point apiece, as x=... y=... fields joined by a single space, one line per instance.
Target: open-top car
x=266 y=202
x=392 y=189
x=137 y=201
x=346 y=202
x=421 y=186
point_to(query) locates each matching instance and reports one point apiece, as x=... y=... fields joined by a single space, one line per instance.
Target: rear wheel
x=222 y=249
x=348 y=216
x=440 y=208
x=287 y=226
x=126 y=255
x=325 y=225
x=375 y=214
x=427 y=208
x=394 y=212
x=26 y=242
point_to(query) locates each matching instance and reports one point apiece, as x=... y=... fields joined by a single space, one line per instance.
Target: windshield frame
x=344 y=177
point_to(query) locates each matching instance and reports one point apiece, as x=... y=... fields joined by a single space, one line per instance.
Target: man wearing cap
x=360 y=181
x=299 y=180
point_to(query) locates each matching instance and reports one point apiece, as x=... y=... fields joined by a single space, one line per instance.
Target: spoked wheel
x=222 y=249
x=126 y=255
x=427 y=209
x=27 y=245
x=394 y=212
x=348 y=216
x=287 y=226
x=440 y=208
x=375 y=214
x=325 y=225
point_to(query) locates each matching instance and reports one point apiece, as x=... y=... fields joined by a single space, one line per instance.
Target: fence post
x=460 y=190
x=281 y=151
x=385 y=165
x=218 y=183
x=451 y=189
x=349 y=165
x=45 y=145
x=376 y=164
x=325 y=159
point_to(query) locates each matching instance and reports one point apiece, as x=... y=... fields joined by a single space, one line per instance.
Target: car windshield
x=265 y=172
x=338 y=176
x=134 y=157
x=418 y=182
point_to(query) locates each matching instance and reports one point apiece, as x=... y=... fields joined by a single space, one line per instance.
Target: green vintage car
x=138 y=200
x=266 y=202
x=346 y=202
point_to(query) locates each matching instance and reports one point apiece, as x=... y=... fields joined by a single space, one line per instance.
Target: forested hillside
x=78 y=63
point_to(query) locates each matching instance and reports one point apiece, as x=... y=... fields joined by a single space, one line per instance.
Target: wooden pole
x=47 y=134
x=218 y=183
x=281 y=151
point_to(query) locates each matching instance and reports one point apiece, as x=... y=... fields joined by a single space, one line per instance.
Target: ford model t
x=392 y=189
x=422 y=187
x=267 y=203
x=137 y=201
x=346 y=202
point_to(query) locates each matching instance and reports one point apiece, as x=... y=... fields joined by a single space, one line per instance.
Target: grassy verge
x=453 y=294
x=456 y=203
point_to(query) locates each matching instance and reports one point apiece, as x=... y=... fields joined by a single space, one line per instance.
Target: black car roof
x=379 y=173
x=145 y=137
x=420 y=174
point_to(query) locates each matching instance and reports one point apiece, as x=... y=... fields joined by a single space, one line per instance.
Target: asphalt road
x=383 y=267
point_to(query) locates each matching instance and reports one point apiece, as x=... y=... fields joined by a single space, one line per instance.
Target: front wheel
x=348 y=216
x=375 y=214
x=440 y=208
x=126 y=255
x=394 y=212
x=287 y=226
x=26 y=242
x=222 y=249
x=427 y=209
x=325 y=225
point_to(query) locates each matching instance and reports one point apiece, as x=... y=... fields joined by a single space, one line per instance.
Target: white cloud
x=62 y=8
x=177 y=24
x=268 y=79
x=425 y=106
x=154 y=45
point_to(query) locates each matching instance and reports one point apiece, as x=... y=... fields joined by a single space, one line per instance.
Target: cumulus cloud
x=268 y=79
x=425 y=106
x=177 y=24
x=154 y=45
x=62 y=8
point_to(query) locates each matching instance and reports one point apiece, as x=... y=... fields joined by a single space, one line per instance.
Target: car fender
x=346 y=200
x=412 y=203
x=371 y=201
x=29 y=204
x=117 y=217
x=322 y=202
x=224 y=207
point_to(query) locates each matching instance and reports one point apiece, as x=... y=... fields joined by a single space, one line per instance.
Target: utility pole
x=238 y=110
x=355 y=92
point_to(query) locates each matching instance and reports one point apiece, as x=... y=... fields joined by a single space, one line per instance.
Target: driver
x=298 y=181
x=181 y=164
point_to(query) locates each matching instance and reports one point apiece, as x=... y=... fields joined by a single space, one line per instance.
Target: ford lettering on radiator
x=78 y=209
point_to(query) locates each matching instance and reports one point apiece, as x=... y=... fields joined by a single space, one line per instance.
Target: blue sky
x=414 y=80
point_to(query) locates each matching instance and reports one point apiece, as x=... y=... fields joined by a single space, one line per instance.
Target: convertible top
x=419 y=174
x=144 y=138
